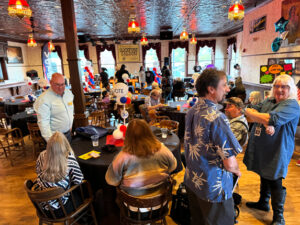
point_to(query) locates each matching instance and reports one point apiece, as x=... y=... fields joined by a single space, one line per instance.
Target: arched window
x=108 y=61
x=151 y=60
x=205 y=56
x=55 y=65
x=178 y=63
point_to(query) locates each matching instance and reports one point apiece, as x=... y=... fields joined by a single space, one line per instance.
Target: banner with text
x=128 y=53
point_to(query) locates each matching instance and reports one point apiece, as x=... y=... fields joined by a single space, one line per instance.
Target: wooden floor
x=16 y=209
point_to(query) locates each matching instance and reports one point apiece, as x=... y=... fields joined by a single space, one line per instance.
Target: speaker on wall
x=166 y=61
x=166 y=35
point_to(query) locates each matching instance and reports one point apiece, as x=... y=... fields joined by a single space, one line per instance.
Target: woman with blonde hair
x=143 y=163
x=255 y=98
x=57 y=167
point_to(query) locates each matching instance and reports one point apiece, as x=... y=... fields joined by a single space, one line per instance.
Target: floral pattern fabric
x=208 y=141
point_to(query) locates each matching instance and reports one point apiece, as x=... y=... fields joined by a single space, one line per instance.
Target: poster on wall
x=268 y=73
x=128 y=53
x=291 y=12
x=258 y=24
x=14 y=55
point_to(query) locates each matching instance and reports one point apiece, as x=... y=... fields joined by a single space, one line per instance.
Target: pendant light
x=193 y=40
x=144 y=40
x=236 y=11
x=19 y=8
x=184 y=35
x=31 y=42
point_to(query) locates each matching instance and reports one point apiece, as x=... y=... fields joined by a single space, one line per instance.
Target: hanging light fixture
x=50 y=46
x=193 y=40
x=144 y=40
x=133 y=26
x=19 y=8
x=31 y=42
x=236 y=12
x=184 y=35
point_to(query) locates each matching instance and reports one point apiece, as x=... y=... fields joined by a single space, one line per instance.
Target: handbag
x=180 y=211
x=89 y=131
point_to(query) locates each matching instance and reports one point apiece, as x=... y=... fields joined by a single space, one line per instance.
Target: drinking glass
x=95 y=140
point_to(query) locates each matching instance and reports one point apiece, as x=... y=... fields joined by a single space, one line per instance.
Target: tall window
x=108 y=61
x=82 y=59
x=232 y=57
x=178 y=63
x=54 y=64
x=151 y=59
x=205 y=55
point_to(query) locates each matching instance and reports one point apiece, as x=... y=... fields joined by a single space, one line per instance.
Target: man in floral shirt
x=210 y=150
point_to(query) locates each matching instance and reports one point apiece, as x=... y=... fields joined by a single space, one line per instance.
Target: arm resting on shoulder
x=231 y=165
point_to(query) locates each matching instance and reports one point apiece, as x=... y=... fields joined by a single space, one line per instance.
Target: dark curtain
x=102 y=48
x=57 y=49
x=208 y=43
x=231 y=41
x=156 y=47
x=177 y=44
x=85 y=49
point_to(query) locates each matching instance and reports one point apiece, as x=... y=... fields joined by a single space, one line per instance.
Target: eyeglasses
x=59 y=85
x=284 y=87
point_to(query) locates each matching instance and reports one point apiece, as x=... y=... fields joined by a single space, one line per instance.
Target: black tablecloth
x=176 y=115
x=94 y=169
x=17 y=106
x=20 y=120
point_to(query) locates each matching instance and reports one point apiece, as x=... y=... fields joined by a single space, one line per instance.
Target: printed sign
x=268 y=73
x=128 y=53
x=120 y=90
x=257 y=25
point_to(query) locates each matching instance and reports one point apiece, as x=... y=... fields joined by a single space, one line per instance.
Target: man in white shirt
x=55 y=109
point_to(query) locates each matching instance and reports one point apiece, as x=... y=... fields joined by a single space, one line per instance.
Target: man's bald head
x=58 y=83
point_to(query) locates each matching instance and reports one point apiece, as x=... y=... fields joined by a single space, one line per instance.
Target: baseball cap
x=235 y=101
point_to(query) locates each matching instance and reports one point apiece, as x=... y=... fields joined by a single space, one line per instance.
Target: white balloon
x=117 y=134
x=125 y=76
x=120 y=90
x=42 y=83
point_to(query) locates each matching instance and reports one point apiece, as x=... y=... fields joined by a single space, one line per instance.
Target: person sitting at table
x=153 y=101
x=57 y=167
x=143 y=163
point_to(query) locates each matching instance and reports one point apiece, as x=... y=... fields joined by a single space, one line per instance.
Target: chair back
x=98 y=118
x=35 y=134
x=41 y=198
x=157 y=206
x=142 y=109
x=170 y=124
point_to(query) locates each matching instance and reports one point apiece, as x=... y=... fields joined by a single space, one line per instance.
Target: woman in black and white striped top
x=57 y=167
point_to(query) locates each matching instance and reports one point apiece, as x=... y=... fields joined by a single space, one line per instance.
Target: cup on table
x=178 y=107
x=164 y=132
x=136 y=97
x=95 y=140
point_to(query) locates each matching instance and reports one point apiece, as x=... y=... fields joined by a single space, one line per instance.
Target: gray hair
x=56 y=158
x=256 y=95
x=287 y=80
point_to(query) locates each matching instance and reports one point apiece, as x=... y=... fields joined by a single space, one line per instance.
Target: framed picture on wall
x=258 y=24
x=14 y=54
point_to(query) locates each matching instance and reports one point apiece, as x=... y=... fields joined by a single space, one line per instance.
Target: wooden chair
x=40 y=200
x=39 y=143
x=158 y=206
x=12 y=140
x=155 y=119
x=106 y=108
x=98 y=118
x=170 y=124
x=142 y=109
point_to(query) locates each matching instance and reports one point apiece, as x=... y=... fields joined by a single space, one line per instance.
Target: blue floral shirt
x=208 y=141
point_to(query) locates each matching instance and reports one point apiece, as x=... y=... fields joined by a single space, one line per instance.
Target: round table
x=20 y=120
x=18 y=105
x=94 y=169
x=176 y=115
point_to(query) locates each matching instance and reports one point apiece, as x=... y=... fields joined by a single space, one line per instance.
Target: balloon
x=46 y=87
x=128 y=100
x=125 y=76
x=117 y=134
x=123 y=99
x=194 y=99
x=42 y=83
x=192 y=103
x=281 y=24
x=276 y=44
x=120 y=89
x=123 y=128
x=29 y=83
x=127 y=80
x=86 y=89
x=192 y=81
x=210 y=66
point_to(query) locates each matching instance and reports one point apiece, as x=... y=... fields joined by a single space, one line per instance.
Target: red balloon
x=128 y=80
x=123 y=128
x=128 y=100
x=86 y=79
x=29 y=83
x=89 y=83
x=85 y=89
x=93 y=86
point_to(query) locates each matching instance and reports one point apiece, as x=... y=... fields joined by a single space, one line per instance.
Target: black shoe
x=258 y=205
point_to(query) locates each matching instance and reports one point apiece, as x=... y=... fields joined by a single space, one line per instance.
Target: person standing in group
x=142 y=77
x=271 y=144
x=104 y=77
x=149 y=77
x=55 y=109
x=210 y=150
x=120 y=73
